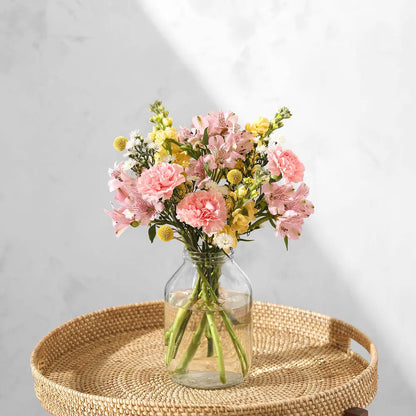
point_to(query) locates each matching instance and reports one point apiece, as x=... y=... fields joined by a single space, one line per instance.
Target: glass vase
x=208 y=329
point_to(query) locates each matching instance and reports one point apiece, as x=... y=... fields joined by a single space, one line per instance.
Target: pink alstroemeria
x=243 y=142
x=224 y=151
x=216 y=123
x=120 y=221
x=299 y=203
x=143 y=211
x=277 y=197
x=285 y=162
x=196 y=169
x=281 y=198
x=289 y=225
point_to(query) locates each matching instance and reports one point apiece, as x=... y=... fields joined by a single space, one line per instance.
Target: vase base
x=207 y=380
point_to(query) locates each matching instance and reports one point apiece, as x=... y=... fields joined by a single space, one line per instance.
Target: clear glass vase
x=208 y=331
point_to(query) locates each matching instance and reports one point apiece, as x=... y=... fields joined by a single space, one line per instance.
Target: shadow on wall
x=305 y=277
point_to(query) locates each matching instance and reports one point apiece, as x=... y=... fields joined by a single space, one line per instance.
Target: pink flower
x=204 y=209
x=224 y=151
x=289 y=225
x=217 y=123
x=120 y=221
x=134 y=208
x=277 y=196
x=299 y=203
x=196 y=170
x=243 y=141
x=285 y=163
x=160 y=180
x=281 y=198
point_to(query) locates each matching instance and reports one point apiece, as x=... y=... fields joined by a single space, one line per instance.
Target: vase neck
x=204 y=257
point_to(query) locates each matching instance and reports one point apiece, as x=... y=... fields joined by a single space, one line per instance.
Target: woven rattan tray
x=111 y=362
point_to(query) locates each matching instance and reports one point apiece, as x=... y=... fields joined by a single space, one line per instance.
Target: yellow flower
x=242 y=191
x=239 y=165
x=234 y=176
x=160 y=137
x=229 y=203
x=251 y=210
x=120 y=143
x=259 y=127
x=165 y=233
x=167 y=121
x=181 y=157
x=171 y=133
x=160 y=155
x=240 y=222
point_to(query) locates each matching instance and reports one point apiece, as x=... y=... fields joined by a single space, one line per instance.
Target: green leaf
x=152 y=232
x=168 y=147
x=244 y=239
x=205 y=138
x=172 y=141
x=286 y=243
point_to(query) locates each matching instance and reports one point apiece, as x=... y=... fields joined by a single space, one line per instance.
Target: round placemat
x=111 y=362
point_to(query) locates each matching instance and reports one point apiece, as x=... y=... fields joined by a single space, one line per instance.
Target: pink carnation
x=160 y=180
x=285 y=163
x=204 y=209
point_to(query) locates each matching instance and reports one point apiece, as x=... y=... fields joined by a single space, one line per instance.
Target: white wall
x=76 y=74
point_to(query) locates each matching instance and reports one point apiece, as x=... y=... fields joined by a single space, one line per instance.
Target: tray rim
x=370 y=370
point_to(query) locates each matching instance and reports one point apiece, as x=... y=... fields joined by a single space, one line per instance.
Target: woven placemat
x=111 y=362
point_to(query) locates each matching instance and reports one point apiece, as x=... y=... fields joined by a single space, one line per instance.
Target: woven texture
x=111 y=362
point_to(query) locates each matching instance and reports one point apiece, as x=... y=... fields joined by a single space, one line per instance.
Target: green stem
x=236 y=342
x=179 y=325
x=210 y=347
x=214 y=332
x=193 y=346
x=217 y=345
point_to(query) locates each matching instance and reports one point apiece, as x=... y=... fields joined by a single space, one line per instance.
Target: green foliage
x=152 y=232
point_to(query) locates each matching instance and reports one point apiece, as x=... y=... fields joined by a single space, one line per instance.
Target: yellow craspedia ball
x=165 y=233
x=120 y=143
x=234 y=176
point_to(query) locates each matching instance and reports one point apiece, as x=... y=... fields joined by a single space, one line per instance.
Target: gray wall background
x=76 y=74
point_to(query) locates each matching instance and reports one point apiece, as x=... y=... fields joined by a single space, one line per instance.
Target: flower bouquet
x=208 y=186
